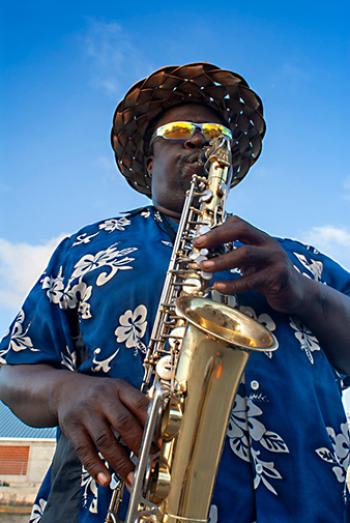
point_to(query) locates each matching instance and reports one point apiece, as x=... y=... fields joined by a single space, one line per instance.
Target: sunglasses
x=181 y=131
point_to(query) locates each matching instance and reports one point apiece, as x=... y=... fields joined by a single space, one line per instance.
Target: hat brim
x=224 y=91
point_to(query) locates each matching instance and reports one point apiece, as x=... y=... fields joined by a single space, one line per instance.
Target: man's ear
x=149 y=165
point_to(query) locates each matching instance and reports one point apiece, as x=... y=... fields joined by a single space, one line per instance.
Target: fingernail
x=130 y=479
x=102 y=479
x=199 y=241
x=219 y=286
x=207 y=264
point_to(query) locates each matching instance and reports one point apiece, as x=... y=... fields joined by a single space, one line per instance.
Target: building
x=25 y=452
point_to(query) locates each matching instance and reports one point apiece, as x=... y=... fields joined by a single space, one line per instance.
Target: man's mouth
x=191 y=168
x=192 y=165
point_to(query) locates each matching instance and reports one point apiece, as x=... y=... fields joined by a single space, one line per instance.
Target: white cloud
x=333 y=241
x=20 y=266
x=115 y=60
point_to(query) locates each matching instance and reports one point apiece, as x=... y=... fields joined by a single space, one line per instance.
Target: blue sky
x=65 y=65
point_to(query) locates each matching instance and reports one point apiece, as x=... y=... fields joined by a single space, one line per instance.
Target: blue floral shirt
x=287 y=446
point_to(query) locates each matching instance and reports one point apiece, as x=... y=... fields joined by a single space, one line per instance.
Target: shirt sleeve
x=337 y=277
x=318 y=266
x=41 y=331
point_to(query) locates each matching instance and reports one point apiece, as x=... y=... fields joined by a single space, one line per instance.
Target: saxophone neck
x=219 y=173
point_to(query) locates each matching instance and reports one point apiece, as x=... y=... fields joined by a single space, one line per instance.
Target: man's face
x=172 y=164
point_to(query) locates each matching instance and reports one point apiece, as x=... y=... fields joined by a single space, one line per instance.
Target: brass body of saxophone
x=193 y=366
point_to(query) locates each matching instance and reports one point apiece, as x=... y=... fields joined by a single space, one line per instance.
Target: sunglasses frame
x=158 y=132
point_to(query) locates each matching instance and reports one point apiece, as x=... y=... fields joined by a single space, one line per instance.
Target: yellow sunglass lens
x=211 y=131
x=185 y=130
x=178 y=130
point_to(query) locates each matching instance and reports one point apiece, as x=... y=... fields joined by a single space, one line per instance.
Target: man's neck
x=168 y=212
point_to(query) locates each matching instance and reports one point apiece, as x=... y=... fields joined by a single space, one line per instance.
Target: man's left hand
x=264 y=265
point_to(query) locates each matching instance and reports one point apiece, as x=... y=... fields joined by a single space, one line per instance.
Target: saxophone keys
x=221 y=190
x=206 y=275
x=206 y=196
x=165 y=368
x=171 y=420
x=160 y=483
x=192 y=286
x=203 y=229
x=198 y=257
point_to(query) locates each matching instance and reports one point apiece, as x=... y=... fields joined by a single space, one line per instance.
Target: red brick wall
x=13 y=459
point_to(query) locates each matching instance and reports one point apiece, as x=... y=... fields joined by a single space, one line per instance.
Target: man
x=74 y=353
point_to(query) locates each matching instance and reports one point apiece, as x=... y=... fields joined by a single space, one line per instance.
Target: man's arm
x=326 y=312
x=88 y=409
x=266 y=268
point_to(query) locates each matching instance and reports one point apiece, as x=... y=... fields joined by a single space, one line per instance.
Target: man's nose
x=196 y=140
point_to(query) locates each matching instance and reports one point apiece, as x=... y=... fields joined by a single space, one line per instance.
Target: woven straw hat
x=224 y=91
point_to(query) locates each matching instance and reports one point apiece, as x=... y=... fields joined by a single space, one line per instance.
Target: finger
x=106 y=444
x=126 y=425
x=246 y=256
x=252 y=282
x=233 y=229
x=133 y=399
x=89 y=458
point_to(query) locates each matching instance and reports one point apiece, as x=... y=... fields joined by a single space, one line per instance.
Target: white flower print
x=54 y=287
x=265 y=319
x=314 y=266
x=312 y=249
x=102 y=365
x=213 y=514
x=243 y=428
x=78 y=295
x=303 y=273
x=3 y=353
x=263 y=469
x=69 y=360
x=111 y=257
x=38 y=511
x=84 y=306
x=67 y=297
x=132 y=327
x=158 y=217
x=227 y=299
x=19 y=340
x=90 y=487
x=308 y=342
x=83 y=239
x=237 y=430
x=339 y=456
x=71 y=296
x=115 y=224
x=146 y=213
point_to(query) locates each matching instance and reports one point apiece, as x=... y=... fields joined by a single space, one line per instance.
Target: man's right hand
x=90 y=411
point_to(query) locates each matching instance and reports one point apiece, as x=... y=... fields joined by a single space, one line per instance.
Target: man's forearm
x=326 y=312
x=29 y=392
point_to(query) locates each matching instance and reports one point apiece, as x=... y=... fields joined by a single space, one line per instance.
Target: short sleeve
x=335 y=275
x=319 y=266
x=41 y=331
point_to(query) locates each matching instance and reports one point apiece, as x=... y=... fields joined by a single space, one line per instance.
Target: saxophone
x=193 y=365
